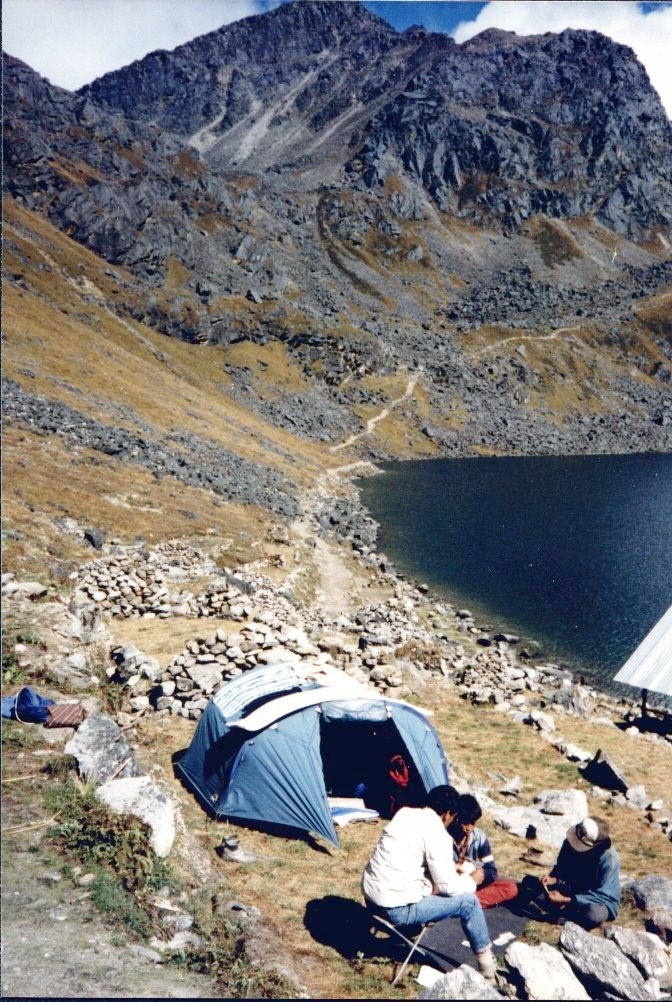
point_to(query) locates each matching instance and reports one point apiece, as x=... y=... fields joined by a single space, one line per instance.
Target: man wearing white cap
x=584 y=885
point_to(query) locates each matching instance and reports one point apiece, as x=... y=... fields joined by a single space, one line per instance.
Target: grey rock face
x=511 y=141
x=561 y=126
x=543 y=972
x=101 y=750
x=601 y=965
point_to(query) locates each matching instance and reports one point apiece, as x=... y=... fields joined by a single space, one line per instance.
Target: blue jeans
x=435 y=907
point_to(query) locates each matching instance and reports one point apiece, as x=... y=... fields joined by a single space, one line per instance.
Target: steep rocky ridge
x=314 y=186
x=506 y=126
x=557 y=124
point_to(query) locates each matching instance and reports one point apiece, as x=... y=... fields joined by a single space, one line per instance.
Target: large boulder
x=140 y=796
x=603 y=968
x=601 y=771
x=101 y=750
x=543 y=972
x=646 y=950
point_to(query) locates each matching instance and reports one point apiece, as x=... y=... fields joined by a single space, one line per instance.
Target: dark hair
x=443 y=799
x=468 y=809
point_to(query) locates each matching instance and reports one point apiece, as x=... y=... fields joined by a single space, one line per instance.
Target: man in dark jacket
x=584 y=885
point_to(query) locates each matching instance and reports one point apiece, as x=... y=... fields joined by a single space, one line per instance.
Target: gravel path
x=54 y=945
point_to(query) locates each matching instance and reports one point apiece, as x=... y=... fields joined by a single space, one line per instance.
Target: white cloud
x=74 y=41
x=648 y=34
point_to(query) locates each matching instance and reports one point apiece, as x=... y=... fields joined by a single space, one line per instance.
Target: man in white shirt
x=411 y=877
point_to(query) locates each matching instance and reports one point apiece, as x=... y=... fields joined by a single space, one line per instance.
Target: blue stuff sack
x=30 y=707
x=8 y=704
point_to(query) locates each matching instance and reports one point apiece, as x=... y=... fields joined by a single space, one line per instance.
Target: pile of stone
x=133 y=581
x=497 y=676
x=186 y=684
x=138 y=583
x=206 y=664
x=366 y=648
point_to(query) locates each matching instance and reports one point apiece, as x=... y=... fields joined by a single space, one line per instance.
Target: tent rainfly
x=272 y=748
x=649 y=667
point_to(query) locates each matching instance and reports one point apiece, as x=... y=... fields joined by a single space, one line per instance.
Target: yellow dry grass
x=123 y=372
x=271 y=365
x=165 y=638
x=176 y=275
x=43 y=482
x=554 y=239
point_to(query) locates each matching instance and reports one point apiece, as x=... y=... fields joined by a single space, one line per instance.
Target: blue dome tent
x=273 y=748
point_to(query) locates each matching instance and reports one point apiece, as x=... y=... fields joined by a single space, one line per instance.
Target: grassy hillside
x=63 y=340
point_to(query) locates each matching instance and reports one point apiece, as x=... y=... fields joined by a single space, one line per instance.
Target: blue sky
x=431 y=14
x=73 y=41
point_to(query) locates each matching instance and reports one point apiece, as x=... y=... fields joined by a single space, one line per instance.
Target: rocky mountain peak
x=374 y=199
x=186 y=88
x=495 y=130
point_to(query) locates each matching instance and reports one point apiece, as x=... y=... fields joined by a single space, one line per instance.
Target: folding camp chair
x=382 y=924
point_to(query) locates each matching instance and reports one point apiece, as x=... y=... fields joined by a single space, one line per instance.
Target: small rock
x=463 y=983
x=512 y=788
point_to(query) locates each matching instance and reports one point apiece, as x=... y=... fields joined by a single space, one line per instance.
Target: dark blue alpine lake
x=574 y=552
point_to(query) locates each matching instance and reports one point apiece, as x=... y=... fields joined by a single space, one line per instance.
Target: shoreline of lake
x=490 y=617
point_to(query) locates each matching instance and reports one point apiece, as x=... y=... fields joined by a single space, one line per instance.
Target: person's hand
x=547 y=880
x=558 y=898
x=478 y=875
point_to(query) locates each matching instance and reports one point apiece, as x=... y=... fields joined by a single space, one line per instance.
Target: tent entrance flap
x=358 y=758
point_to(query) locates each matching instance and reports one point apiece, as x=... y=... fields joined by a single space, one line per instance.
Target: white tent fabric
x=650 y=665
x=274 y=710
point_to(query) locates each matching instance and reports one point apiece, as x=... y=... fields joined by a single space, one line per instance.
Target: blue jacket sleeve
x=487 y=859
x=607 y=890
